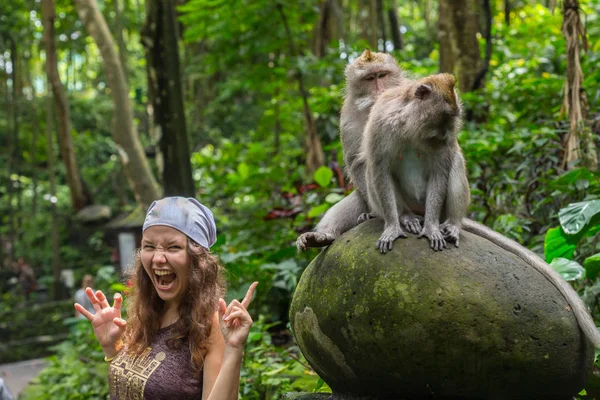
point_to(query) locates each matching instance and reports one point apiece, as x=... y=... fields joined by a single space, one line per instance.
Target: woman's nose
x=159 y=257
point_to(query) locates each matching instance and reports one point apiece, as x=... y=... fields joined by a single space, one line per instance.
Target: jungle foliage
x=242 y=62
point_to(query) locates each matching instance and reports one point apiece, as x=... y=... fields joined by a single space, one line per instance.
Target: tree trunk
x=395 y=25
x=373 y=39
x=507 y=12
x=579 y=143
x=322 y=31
x=51 y=174
x=487 y=13
x=464 y=41
x=162 y=55
x=120 y=41
x=125 y=134
x=445 y=38
x=314 y=155
x=368 y=26
x=381 y=23
x=79 y=199
x=427 y=18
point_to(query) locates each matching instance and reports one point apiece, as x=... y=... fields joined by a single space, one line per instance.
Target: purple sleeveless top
x=158 y=373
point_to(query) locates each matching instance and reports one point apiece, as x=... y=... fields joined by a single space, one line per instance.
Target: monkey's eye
x=382 y=74
x=369 y=77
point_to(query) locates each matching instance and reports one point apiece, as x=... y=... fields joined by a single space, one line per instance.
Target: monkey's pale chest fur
x=411 y=171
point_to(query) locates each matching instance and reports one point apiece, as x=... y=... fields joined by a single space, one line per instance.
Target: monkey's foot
x=364 y=217
x=384 y=244
x=314 y=239
x=436 y=239
x=450 y=232
x=412 y=223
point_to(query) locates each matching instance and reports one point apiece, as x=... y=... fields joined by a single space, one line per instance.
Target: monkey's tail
x=586 y=323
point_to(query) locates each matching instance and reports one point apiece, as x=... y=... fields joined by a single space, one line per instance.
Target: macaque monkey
x=415 y=166
x=414 y=163
x=366 y=78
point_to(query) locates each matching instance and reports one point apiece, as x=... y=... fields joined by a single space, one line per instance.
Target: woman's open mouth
x=165 y=280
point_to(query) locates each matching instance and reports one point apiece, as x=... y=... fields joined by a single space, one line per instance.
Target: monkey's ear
x=422 y=91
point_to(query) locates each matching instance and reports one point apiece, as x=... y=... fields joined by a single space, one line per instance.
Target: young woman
x=181 y=341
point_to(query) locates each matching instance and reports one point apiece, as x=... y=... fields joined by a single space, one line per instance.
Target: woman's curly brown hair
x=205 y=287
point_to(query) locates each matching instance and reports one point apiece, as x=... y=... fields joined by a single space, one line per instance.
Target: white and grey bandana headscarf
x=186 y=215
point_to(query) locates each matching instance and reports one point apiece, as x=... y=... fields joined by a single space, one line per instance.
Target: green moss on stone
x=474 y=322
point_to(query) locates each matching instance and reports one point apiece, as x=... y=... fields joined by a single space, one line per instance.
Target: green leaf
x=592 y=266
x=323 y=176
x=567 y=180
x=243 y=170
x=319 y=385
x=558 y=244
x=333 y=198
x=569 y=269
x=318 y=210
x=576 y=216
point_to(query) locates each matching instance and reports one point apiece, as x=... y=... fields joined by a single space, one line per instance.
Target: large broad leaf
x=569 y=269
x=558 y=244
x=323 y=176
x=575 y=217
x=318 y=210
x=592 y=266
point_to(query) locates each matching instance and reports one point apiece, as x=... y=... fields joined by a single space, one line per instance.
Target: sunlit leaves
x=323 y=176
x=576 y=216
x=570 y=270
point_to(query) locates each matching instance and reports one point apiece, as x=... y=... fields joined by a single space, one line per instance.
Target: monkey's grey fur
x=367 y=77
x=414 y=163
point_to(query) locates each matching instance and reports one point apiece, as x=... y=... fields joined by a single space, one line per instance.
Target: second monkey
x=414 y=163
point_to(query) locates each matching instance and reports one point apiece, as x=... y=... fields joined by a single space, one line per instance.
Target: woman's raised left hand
x=235 y=320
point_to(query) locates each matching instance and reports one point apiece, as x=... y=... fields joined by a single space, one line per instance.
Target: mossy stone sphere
x=470 y=323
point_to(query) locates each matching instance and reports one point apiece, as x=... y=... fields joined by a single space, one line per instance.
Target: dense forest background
x=106 y=105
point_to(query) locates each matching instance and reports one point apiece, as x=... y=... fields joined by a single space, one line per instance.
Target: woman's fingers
x=93 y=299
x=118 y=301
x=249 y=294
x=222 y=307
x=239 y=314
x=84 y=312
x=120 y=323
x=102 y=299
x=234 y=303
x=228 y=315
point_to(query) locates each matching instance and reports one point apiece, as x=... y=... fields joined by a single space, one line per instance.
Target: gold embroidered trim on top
x=128 y=373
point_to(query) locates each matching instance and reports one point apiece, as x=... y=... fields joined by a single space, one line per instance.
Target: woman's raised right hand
x=107 y=323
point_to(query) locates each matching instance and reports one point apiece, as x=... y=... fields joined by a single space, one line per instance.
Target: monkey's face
x=438 y=102
x=370 y=74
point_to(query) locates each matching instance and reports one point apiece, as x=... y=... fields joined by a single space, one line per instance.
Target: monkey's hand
x=314 y=239
x=412 y=223
x=391 y=233
x=364 y=217
x=436 y=239
x=450 y=232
